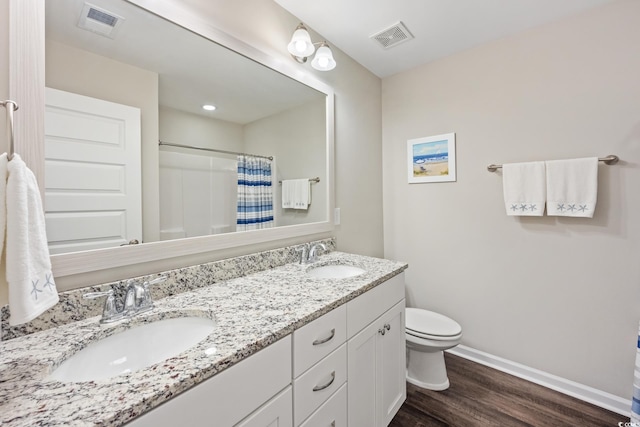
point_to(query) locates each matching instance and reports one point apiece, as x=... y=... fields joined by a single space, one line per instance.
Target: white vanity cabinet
x=376 y=355
x=261 y=381
x=346 y=368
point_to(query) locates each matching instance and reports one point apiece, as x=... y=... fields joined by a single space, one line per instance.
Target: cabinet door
x=392 y=384
x=361 y=377
x=376 y=362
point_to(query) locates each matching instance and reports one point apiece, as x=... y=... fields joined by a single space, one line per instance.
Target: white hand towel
x=303 y=194
x=32 y=289
x=3 y=199
x=287 y=193
x=524 y=188
x=296 y=193
x=572 y=187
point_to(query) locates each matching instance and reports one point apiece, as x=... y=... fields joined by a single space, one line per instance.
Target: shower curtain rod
x=213 y=150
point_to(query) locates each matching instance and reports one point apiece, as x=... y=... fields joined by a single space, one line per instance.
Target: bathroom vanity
x=289 y=349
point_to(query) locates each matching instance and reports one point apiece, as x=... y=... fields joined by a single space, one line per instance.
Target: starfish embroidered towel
x=572 y=187
x=32 y=289
x=524 y=188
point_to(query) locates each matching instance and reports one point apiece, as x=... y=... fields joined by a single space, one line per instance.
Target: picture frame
x=432 y=159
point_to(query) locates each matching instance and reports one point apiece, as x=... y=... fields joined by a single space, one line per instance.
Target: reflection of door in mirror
x=92 y=164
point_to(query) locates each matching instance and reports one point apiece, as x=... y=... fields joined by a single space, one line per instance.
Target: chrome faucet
x=137 y=300
x=309 y=252
x=313 y=252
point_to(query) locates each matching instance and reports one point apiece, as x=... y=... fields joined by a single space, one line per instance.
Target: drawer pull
x=324 y=340
x=322 y=387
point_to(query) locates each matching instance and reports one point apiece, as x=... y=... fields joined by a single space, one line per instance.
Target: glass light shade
x=323 y=61
x=300 y=44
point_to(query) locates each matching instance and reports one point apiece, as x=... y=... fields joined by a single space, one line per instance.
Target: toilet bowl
x=428 y=334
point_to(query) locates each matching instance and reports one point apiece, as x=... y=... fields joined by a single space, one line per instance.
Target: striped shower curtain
x=635 y=402
x=255 y=193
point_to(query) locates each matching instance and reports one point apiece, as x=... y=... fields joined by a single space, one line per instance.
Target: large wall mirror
x=130 y=153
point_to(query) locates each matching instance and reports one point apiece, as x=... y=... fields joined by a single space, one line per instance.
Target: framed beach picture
x=432 y=159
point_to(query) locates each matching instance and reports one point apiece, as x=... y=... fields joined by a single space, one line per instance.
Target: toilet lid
x=424 y=322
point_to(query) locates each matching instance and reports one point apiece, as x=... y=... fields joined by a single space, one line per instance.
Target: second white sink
x=335 y=271
x=134 y=349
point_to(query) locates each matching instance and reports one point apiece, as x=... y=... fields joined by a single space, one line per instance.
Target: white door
x=92 y=173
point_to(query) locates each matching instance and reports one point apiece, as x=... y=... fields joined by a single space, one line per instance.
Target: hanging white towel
x=3 y=199
x=287 y=194
x=296 y=193
x=32 y=289
x=572 y=187
x=524 y=188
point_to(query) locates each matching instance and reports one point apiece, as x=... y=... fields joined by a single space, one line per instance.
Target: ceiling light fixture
x=208 y=107
x=301 y=48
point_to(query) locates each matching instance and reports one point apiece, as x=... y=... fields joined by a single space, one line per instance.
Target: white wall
x=179 y=127
x=297 y=139
x=558 y=294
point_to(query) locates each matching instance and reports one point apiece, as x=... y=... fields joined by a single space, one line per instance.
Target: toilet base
x=427 y=370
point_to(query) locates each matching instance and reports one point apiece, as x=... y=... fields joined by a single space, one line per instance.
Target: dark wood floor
x=482 y=396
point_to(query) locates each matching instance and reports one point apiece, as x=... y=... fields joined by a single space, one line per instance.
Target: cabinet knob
x=382 y=331
x=387 y=327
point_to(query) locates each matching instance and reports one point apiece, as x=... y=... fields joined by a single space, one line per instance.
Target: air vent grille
x=102 y=17
x=99 y=21
x=392 y=36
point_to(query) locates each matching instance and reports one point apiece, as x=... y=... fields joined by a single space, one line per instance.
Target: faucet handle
x=303 y=250
x=155 y=281
x=95 y=295
x=110 y=312
x=146 y=302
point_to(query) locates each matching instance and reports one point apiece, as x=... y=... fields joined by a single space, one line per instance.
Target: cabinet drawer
x=315 y=340
x=368 y=306
x=316 y=385
x=275 y=413
x=332 y=413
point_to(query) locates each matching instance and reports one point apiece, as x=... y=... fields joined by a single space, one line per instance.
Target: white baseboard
x=562 y=385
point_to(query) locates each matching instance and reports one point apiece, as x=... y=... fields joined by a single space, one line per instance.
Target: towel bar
x=316 y=179
x=609 y=160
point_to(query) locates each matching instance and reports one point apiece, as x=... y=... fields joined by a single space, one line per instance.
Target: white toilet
x=428 y=334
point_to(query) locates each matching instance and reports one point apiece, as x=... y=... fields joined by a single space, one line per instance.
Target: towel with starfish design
x=572 y=187
x=524 y=188
x=32 y=289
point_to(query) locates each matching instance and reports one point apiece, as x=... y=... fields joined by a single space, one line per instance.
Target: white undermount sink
x=335 y=271
x=134 y=349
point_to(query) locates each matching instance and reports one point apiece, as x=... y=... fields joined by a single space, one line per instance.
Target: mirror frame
x=26 y=87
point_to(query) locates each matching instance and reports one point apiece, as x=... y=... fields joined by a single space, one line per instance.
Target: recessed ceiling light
x=208 y=107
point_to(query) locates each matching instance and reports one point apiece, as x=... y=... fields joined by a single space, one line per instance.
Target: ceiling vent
x=392 y=36
x=100 y=21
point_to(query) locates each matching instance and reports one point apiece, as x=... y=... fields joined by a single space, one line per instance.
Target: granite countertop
x=251 y=312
